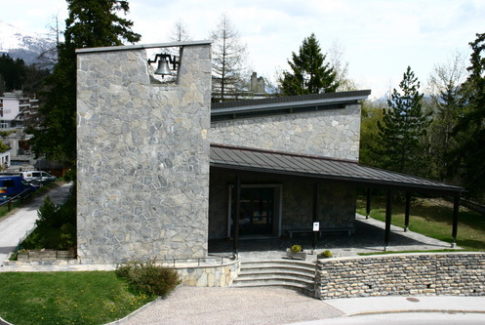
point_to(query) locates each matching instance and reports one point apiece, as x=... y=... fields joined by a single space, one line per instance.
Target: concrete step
x=301 y=264
x=270 y=273
x=275 y=283
x=287 y=279
x=276 y=268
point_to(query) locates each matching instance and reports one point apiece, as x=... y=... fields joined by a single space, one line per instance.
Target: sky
x=378 y=39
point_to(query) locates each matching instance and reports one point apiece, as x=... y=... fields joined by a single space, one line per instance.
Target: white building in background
x=5 y=159
x=15 y=110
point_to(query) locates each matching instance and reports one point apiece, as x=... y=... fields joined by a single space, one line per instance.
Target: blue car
x=11 y=186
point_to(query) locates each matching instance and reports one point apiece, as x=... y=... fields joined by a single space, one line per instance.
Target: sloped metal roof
x=277 y=103
x=317 y=167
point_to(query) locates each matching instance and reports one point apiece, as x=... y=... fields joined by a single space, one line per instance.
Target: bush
x=296 y=248
x=149 y=278
x=325 y=254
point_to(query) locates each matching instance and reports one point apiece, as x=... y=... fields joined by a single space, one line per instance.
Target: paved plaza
x=367 y=238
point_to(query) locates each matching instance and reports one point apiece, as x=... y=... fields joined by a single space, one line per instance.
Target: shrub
x=149 y=278
x=55 y=227
x=325 y=254
x=296 y=248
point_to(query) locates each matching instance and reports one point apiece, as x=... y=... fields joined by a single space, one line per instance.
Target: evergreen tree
x=227 y=61
x=91 y=23
x=402 y=127
x=309 y=74
x=470 y=131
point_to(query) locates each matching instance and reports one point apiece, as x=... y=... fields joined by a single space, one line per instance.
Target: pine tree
x=227 y=61
x=403 y=126
x=470 y=131
x=309 y=74
x=90 y=23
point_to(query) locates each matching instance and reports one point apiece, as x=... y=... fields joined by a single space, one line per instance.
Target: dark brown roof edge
x=283 y=153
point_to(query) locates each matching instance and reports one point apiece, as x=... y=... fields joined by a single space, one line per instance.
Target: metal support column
x=456 y=209
x=367 y=206
x=388 y=218
x=406 y=211
x=237 y=214
x=316 y=199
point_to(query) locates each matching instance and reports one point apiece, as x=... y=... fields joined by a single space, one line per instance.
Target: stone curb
x=133 y=313
x=401 y=311
x=4 y=322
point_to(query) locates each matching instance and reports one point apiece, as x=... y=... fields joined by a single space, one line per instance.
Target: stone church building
x=161 y=170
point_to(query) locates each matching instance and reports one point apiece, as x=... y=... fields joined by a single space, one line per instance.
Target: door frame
x=278 y=205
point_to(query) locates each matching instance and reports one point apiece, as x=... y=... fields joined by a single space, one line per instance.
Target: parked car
x=12 y=185
x=37 y=176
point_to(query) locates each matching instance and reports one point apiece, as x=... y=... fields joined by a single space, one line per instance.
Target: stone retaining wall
x=219 y=272
x=458 y=274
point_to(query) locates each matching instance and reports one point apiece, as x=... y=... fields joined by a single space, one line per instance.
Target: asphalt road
x=15 y=227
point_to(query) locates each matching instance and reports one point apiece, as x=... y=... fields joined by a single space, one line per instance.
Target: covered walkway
x=242 y=162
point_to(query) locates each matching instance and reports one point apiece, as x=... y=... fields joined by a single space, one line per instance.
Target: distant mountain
x=19 y=44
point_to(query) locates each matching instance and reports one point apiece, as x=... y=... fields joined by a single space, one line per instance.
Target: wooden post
x=316 y=198
x=456 y=209
x=388 y=218
x=367 y=206
x=237 y=216
x=406 y=211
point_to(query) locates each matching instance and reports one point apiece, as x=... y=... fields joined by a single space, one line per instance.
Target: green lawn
x=66 y=298
x=433 y=218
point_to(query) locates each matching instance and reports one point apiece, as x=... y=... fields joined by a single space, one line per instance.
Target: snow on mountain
x=20 y=44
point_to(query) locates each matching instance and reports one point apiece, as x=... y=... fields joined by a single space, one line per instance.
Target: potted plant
x=325 y=254
x=296 y=252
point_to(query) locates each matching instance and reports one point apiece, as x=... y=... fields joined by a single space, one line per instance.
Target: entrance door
x=257 y=211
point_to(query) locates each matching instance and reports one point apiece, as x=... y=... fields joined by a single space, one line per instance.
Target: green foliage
x=470 y=130
x=149 y=278
x=90 y=23
x=371 y=114
x=296 y=248
x=310 y=73
x=402 y=127
x=16 y=75
x=66 y=298
x=325 y=254
x=55 y=228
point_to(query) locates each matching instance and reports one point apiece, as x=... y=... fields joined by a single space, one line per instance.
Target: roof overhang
x=264 y=161
x=289 y=102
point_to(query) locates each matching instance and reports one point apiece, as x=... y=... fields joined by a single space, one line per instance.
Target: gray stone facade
x=336 y=207
x=457 y=274
x=143 y=157
x=332 y=133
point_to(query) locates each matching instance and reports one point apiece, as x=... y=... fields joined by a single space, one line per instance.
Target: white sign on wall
x=316 y=226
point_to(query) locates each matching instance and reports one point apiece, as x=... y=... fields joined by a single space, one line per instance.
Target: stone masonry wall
x=143 y=157
x=459 y=274
x=332 y=133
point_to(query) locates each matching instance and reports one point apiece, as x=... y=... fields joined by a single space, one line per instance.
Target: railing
x=25 y=193
x=210 y=260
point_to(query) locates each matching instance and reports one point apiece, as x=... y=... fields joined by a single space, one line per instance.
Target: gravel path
x=191 y=305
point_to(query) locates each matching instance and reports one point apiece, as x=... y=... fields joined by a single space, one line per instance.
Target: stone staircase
x=292 y=274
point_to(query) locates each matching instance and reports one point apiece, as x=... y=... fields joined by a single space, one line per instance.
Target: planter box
x=295 y=256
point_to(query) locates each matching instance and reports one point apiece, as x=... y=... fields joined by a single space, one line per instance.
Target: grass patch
x=66 y=298
x=433 y=218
